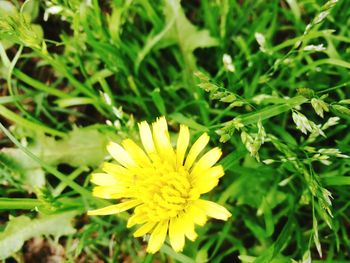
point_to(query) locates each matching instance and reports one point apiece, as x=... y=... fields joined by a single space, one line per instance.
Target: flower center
x=164 y=190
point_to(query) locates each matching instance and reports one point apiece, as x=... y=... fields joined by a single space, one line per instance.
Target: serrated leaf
x=177 y=30
x=22 y=168
x=19 y=229
x=183 y=31
x=81 y=147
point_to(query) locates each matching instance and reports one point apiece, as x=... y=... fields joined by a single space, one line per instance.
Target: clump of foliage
x=268 y=80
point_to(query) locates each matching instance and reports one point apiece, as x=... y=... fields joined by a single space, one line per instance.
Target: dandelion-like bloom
x=161 y=184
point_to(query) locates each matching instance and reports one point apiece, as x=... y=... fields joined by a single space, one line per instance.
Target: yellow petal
x=120 y=155
x=176 y=234
x=198 y=215
x=216 y=171
x=213 y=209
x=137 y=218
x=206 y=161
x=103 y=179
x=115 y=169
x=206 y=184
x=162 y=140
x=191 y=234
x=207 y=180
x=182 y=144
x=187 y=224
x=108 y=192
x=196 y=148
x=146 y=137
x=114 y=209
x=121 y=174
x=136 y=152
x=144 y=229
x=157 y=237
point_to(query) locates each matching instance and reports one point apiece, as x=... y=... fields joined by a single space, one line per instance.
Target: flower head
x=162 y=184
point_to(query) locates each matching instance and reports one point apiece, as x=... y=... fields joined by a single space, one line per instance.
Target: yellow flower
x=162 y=186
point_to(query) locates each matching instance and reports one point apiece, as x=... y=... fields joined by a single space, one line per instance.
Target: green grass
x=90 y=73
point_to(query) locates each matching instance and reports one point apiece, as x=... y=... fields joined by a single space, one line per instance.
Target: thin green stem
x=6 y=113
x=11 y=99
x=31 y=203
x=334 y=88
x=38 y=85
x=267 y=112
x=59 y=189
x=19 y=203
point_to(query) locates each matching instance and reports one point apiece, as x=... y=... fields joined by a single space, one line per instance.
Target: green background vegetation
x=77 y=74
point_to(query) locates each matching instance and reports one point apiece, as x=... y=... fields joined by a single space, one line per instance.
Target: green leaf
x=81 y=147
x=275 y=249
x=19 y=229
x=158 y=101
x=293 y=4
x=184 y=32
x=6 y=9
x=177 y=256
x=190 y=122
x=19 y=168
x=253 y=190
x=177 y=30
x=336 y=180
x=151 y=42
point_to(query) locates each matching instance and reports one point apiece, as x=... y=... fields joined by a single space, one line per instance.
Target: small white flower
x=52 y=10
x=117 y=124
x=227 y=60
x=107 y=98
x=319 y=106
x=307 y=29
x=24 y=141
x=330 y=122
x=322 y=159
x=260 y=38
x=319 y=47
x=118 y=112
x=327 y=196
x=248 y=141
x=321 y=17
x=310 y=149
x=302 y=123
x=340 y=155
x=268 y=161
x=316 y=129
x=329 y=151
x=261 y=97
x=237 y=123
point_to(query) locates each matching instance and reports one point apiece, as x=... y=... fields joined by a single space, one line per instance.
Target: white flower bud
x=227 y=60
